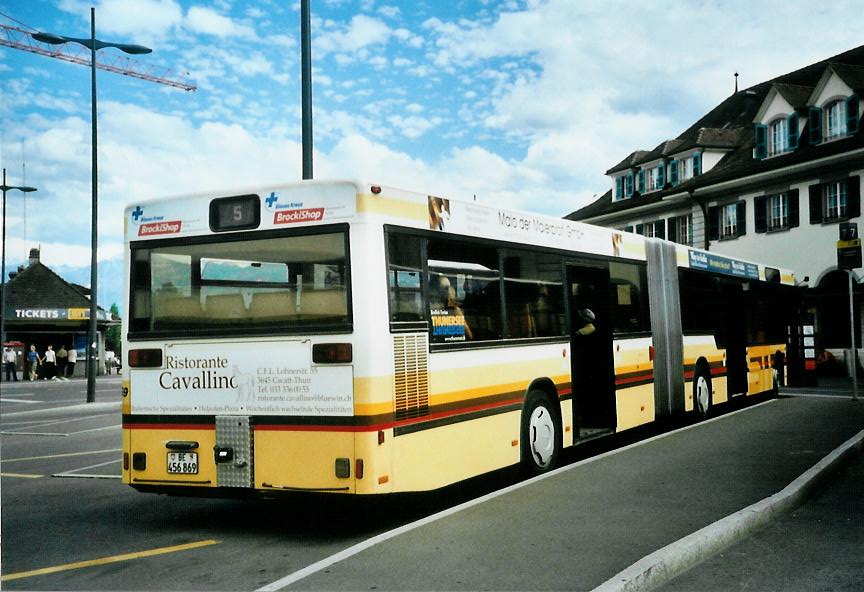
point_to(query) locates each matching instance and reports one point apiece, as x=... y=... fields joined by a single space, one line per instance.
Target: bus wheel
x=702 y=400
x=541 y=434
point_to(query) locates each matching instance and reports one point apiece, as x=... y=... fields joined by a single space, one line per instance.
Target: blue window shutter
x=661 y=176
x=629 y=184
x=814 y=121
x=619 y=187
x=697 y=164
x=641 y=182
x=792 y=131
x=640 y=229
x=760 y=147
x=852 y=119
x=673 y=172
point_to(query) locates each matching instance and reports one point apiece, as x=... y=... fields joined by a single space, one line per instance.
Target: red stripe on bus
x=648 y=377
x=168 y=426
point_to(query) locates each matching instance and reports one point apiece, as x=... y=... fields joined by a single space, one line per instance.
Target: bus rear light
x=651 y=353
x=332 y=353
x=125 y=461
x=145 y=358
x=358 y=468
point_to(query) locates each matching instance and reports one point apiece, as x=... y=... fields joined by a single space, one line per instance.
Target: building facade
x=43 y=309
x=768 y=175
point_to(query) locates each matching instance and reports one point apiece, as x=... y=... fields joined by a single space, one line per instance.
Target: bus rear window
x=285 y=282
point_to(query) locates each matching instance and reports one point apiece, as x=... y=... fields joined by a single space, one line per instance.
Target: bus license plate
x=183 y=463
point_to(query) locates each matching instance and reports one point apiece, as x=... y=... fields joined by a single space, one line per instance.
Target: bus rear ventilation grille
x=410 y=376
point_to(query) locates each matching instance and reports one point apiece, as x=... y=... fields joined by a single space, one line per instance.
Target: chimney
x=34 y=256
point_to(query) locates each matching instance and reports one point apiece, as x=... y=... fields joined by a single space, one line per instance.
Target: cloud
x=361 y=33
x=209 y=22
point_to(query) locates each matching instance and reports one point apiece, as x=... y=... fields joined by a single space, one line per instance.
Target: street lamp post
x=92 y=44
x=3 y=284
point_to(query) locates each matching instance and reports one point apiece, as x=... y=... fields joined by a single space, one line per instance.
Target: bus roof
x=316 y=202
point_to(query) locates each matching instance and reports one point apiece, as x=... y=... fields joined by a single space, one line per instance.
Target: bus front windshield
x=284 y=282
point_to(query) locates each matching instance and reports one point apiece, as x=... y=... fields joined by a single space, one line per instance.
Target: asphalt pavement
x=579 y=526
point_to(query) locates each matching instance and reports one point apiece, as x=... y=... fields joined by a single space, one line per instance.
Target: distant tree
x=112 y=338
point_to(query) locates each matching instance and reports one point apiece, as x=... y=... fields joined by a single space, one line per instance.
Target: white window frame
x=835 y=204
x=778 y=134
x=835 y=119
x=729 y=220
x=684 y=230
x=651 y=179
x=778 y=211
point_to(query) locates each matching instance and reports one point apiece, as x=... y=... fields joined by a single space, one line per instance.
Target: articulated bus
x=351 y=338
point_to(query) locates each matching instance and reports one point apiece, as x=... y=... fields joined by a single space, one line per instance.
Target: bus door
x=735 y=329
x=592 y=367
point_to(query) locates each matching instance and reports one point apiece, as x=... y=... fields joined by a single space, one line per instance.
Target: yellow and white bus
x=352 y=338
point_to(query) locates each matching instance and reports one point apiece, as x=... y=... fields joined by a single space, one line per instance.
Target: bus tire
x=541 y=434
x=702 y=396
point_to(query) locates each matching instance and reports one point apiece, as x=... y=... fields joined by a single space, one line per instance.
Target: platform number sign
x=849 y=246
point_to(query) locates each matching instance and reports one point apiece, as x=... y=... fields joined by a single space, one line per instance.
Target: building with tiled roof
x=768 y=174
x=44 y=309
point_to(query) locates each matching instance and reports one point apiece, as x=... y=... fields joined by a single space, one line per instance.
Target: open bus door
x=592 y=366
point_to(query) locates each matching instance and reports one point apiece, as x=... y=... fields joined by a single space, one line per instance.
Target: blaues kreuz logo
x=150 y=225
x=273 y=204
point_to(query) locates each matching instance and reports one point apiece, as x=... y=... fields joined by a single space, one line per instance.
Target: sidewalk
x=581 y=525
x=819 y=546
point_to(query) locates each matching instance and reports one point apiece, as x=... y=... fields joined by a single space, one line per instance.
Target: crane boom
x=110 y=61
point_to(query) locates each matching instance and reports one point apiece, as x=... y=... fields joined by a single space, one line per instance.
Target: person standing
x=61 y=361
x=50 y=363
x=9 y=364
x=33 y=360
x=71 y=358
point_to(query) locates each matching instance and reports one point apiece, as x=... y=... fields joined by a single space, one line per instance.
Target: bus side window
x=404 y=278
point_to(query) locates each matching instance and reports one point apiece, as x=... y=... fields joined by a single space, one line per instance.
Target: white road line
x=64 y=455
x=77 y=472
x=111 y=427
x=369 y=543
x=17 y=433
x=19 y=401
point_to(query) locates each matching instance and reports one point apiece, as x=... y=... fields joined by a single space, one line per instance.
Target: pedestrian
x=33 y=361
x=50 y=363
x=71 y=358
x=9 y=364
x=61 y=360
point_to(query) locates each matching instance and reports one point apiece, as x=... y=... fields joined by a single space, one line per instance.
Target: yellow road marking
x=106 y=560
x=21 y=475
x=61 y=455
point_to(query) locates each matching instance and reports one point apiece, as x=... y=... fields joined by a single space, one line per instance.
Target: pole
x=853 y=357
x=3 y=284
x=306 y=85
x=92 y=341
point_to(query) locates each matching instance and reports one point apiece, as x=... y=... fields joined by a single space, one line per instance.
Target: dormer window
x=778 y=137
x=837 y=119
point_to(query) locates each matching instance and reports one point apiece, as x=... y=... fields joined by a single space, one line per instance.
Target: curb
x=664 y=564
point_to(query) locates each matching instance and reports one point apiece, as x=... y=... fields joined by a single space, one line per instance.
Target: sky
x=520 y=103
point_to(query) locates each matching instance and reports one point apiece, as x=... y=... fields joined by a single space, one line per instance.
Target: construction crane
x=112 y=62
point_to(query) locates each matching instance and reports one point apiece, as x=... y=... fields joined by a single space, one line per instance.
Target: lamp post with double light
x=92 y=44
x=6 y=188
